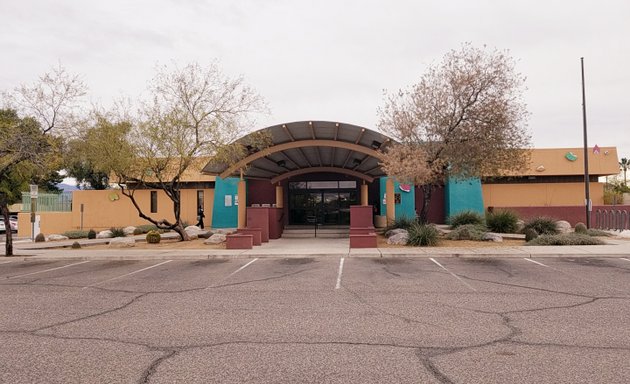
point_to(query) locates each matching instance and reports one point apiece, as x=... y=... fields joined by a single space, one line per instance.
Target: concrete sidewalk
x=308 y=248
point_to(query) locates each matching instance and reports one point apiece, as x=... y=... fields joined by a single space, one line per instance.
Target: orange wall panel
x=540 y=194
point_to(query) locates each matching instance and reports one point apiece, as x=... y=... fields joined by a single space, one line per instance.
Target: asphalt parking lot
x=316 y=320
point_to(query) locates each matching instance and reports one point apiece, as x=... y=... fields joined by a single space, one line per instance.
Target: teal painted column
x=463 y=195
x=224 y=208
x=407 y=205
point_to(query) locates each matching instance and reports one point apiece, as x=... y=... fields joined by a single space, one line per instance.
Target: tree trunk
x=182 y=233
x=427 y=191
x=4 y=208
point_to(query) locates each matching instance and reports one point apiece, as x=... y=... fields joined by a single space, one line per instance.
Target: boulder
x=57 y=237
x=492 y=237
x=520 y=225
x=122 y=242
x=399 y=238
x=624 y=234
x=396 y=231
x=225 y=231
x=129 y=230
x=563 y=226
x=192 y=235
x=107 y=234
x=192 y=228
x=205 y=234
x=216 y=238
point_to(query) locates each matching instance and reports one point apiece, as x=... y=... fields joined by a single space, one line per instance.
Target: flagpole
x=587 y=200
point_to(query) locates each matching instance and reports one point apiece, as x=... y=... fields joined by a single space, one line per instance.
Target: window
x=200 y=199
x=154 y=202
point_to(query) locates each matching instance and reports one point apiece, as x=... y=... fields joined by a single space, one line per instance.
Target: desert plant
x=153 y=237
x=137 y=231
x=117 y=232
x=40 y=238
x=76 y=234
x=91 y=234
x=565 y=239
x=597 y=232
x=464 y=218
x=75 y=245
x=502 y=221
x=530 y=234
x=542 y=225
x=146 y=228
x=581 y=228
x=423 y=235
x=467 y=232
x=402 y=222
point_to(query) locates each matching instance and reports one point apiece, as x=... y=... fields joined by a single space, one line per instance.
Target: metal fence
x=616 y=219
x=48 y=202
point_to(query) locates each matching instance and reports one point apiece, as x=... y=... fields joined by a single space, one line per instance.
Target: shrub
x=580 y=228
x=403 y=222
x=565 y=239
x=40 y=238
x=137 y=231
x=467 y=232
x=597 y=232
x=502 y=221
x=153 y=237
x=117 y=232
x=91 y=234
x=76 y=234
x=542 y=225
x=423 y=235
x=146 y=228
x=464 y=218
x=75 y=245
x=530 y=234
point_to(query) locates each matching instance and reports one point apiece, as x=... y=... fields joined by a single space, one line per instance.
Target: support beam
x=242 y=203
x=389 y=201
x=279 y=196
x=304 y=171
x=364 y=194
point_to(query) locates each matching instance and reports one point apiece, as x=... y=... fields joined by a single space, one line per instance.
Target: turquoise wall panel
x=225 y=216
x=407 y=206
x=463 y=195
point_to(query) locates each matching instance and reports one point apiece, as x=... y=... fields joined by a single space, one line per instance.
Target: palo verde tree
x=194 y=113
x=465 y=117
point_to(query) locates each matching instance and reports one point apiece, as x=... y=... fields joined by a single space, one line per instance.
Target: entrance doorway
x=321 y=202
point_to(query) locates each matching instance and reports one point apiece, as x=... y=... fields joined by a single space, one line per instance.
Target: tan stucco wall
x=543 y=194
x=100 y=211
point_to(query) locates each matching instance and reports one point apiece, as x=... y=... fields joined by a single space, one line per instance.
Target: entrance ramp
x=311 y=231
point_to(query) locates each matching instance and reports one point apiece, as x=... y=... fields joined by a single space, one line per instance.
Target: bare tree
x=53 y=100
x=464 y=118
x=193 y=113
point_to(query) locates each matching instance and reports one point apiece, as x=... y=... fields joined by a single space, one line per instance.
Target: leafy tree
x=194 y=113
x=79 y=164
x=464 y=118
x=25 y=152
x=624 y=164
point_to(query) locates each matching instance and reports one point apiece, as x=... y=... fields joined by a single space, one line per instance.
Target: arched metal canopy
x=312 y=146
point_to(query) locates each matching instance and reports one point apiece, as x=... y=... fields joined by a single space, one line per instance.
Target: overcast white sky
x=331 y=60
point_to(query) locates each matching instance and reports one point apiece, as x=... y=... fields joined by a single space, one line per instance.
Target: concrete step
x=304 y=233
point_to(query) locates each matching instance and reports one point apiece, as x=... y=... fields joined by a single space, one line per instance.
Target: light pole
x=587 y=200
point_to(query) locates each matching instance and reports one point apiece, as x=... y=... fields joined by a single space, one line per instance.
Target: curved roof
x=312 y=146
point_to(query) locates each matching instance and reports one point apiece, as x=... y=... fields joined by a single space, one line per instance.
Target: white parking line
x=535 y=262
x=338 y=285
x=48 y=270
x=233 y=273
x=452 y=274
x=127 y=274
x=623 y=258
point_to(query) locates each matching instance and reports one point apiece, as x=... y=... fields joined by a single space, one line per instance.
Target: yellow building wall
x=110 y=208
x=542 y=194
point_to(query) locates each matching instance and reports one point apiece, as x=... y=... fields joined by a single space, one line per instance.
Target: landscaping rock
x=122 y=242
x=107 y=234
x=205 y=235
x=520 y=225
x=563 y=226
x=129 y=230
x=492 y=237
x=625 y=234
x=192 y=234
x=398 y=239
x=225 y=231
x=396 y=231
x=192 y=228
x=57 y=237
x=216 y=239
